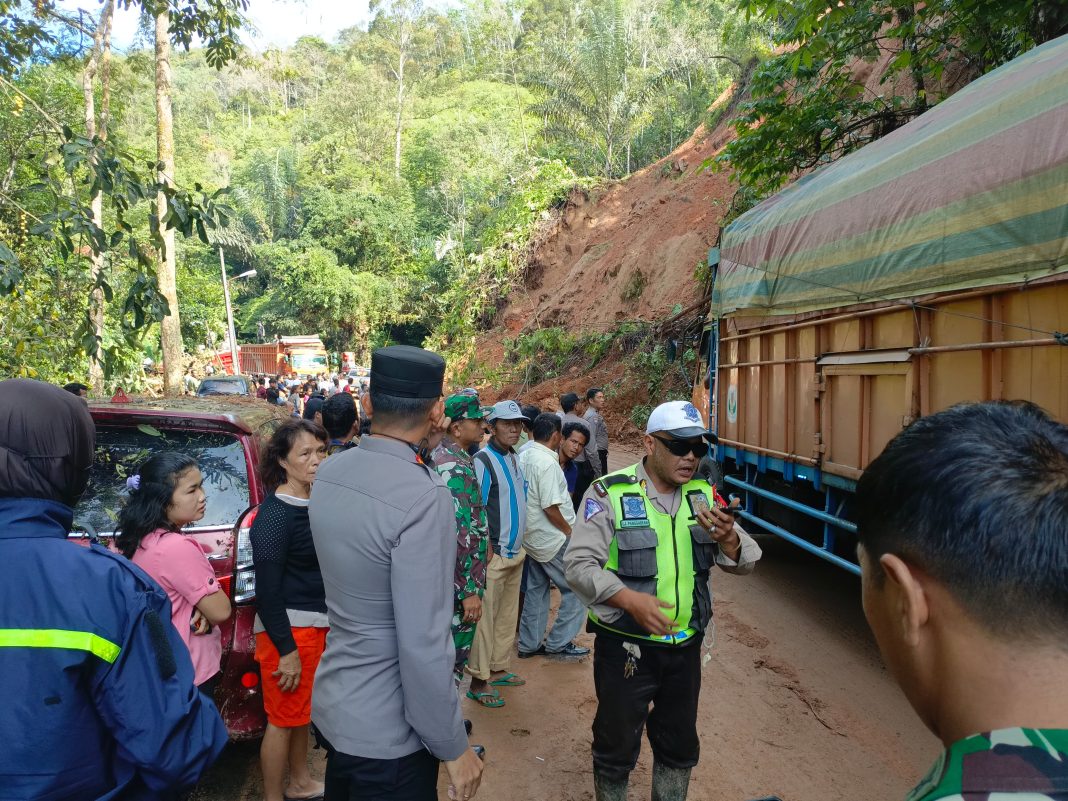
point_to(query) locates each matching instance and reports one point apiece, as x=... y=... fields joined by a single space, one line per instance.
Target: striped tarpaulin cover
x=972 y=193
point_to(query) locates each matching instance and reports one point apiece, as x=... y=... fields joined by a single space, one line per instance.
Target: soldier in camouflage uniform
x=962 y=525
x=456 y=467
x=1019 y=764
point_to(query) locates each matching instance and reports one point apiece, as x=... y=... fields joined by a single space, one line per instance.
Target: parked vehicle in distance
x=224 y=435
x=924 y=270
x=304 y=356
x=224 y=385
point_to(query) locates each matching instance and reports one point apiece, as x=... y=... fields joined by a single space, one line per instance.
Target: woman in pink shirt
x=165 y=497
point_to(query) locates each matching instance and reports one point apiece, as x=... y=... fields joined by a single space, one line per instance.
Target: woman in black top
x=291 y=621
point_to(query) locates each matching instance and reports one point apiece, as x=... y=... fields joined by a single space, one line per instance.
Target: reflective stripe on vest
x=60 y=638
x=670 y=574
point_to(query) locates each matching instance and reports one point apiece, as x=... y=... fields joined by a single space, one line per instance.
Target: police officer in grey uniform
x=385 y=535
x=640 y=557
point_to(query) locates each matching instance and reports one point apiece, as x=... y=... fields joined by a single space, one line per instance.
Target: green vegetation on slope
x=383 y=186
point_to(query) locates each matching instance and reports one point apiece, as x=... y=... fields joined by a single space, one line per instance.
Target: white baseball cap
x=679 y=420
x=506 y=410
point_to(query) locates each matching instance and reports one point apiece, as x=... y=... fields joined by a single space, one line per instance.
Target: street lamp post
x=230 y=311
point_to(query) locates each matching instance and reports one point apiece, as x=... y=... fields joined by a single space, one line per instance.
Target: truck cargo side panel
x=814 y=401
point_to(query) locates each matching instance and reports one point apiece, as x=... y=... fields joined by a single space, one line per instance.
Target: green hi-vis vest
x=668 y=556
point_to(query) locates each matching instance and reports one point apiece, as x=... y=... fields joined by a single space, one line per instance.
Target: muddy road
x=795 y=703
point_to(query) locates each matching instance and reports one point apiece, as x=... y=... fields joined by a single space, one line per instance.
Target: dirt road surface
x=795 y=703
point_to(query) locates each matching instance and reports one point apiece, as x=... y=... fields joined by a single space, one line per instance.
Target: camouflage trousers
x=463 y=634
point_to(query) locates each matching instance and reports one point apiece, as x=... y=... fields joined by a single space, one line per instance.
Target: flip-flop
x=508 y=680
x=494 y=701
x=316 y=797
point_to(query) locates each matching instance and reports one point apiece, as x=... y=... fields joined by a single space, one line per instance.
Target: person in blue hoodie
x=99 y=695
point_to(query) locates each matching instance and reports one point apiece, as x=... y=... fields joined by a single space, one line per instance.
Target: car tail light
x=226 y=584
x=244 y=579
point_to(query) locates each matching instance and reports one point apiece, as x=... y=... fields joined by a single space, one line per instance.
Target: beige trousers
x=495 y=632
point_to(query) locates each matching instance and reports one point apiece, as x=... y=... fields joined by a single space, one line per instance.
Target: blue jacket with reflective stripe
x=100 y=702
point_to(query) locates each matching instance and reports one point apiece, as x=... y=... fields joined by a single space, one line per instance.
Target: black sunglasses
x=681 y=447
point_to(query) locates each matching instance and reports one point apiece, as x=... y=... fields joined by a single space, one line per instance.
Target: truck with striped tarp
x=927 y=269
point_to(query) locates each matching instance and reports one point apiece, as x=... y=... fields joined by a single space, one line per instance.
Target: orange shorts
x=289 y=709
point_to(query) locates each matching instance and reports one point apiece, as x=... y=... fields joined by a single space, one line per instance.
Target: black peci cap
x=407 y=372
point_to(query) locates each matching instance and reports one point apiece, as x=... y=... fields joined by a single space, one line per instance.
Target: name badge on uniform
x=634 y=512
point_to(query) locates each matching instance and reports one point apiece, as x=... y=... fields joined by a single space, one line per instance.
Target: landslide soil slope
x=628 y=250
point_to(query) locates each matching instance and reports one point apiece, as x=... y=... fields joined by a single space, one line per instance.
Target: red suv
x=224 y=436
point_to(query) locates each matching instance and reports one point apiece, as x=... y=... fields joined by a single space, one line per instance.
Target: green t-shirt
x=1006 y=765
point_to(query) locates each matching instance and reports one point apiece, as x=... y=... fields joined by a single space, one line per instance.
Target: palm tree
x=596 y=87
x=267 y=199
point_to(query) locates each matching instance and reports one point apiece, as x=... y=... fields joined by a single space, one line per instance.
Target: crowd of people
x=398 y=571
x=297 y=393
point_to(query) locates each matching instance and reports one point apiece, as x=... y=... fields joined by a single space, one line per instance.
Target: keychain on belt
x=634 y=653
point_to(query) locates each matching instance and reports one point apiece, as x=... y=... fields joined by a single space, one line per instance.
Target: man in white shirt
x=550 y=515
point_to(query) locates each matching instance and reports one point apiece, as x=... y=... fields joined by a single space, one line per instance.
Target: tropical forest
x=390 y=184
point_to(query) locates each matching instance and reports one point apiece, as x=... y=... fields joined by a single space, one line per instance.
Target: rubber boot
x=605 y=789
x=670 y=784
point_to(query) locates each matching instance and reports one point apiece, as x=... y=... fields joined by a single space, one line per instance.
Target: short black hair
x=313 y=404
x=977 y=496
x=572 y=427
x=591 y=393
x=339 y=414
x=531 y=412
x=544 y=426
x=75 y=388
x=568 y=401
x=394 y=409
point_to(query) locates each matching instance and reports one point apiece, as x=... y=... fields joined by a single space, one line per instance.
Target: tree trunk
x=170 y=326
x=519 y=105
x=99 y=63
x=400 y=112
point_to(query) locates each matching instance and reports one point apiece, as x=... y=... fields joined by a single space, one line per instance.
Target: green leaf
x=144 y=428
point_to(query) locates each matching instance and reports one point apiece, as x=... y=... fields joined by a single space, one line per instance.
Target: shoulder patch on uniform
x=593 y=508
x=604 y=482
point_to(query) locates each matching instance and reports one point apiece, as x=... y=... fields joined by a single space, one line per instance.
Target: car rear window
x=120 y=450
x=222 y=387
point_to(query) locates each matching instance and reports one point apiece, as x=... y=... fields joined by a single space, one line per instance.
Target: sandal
x=489 y=700
x=508 y=680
